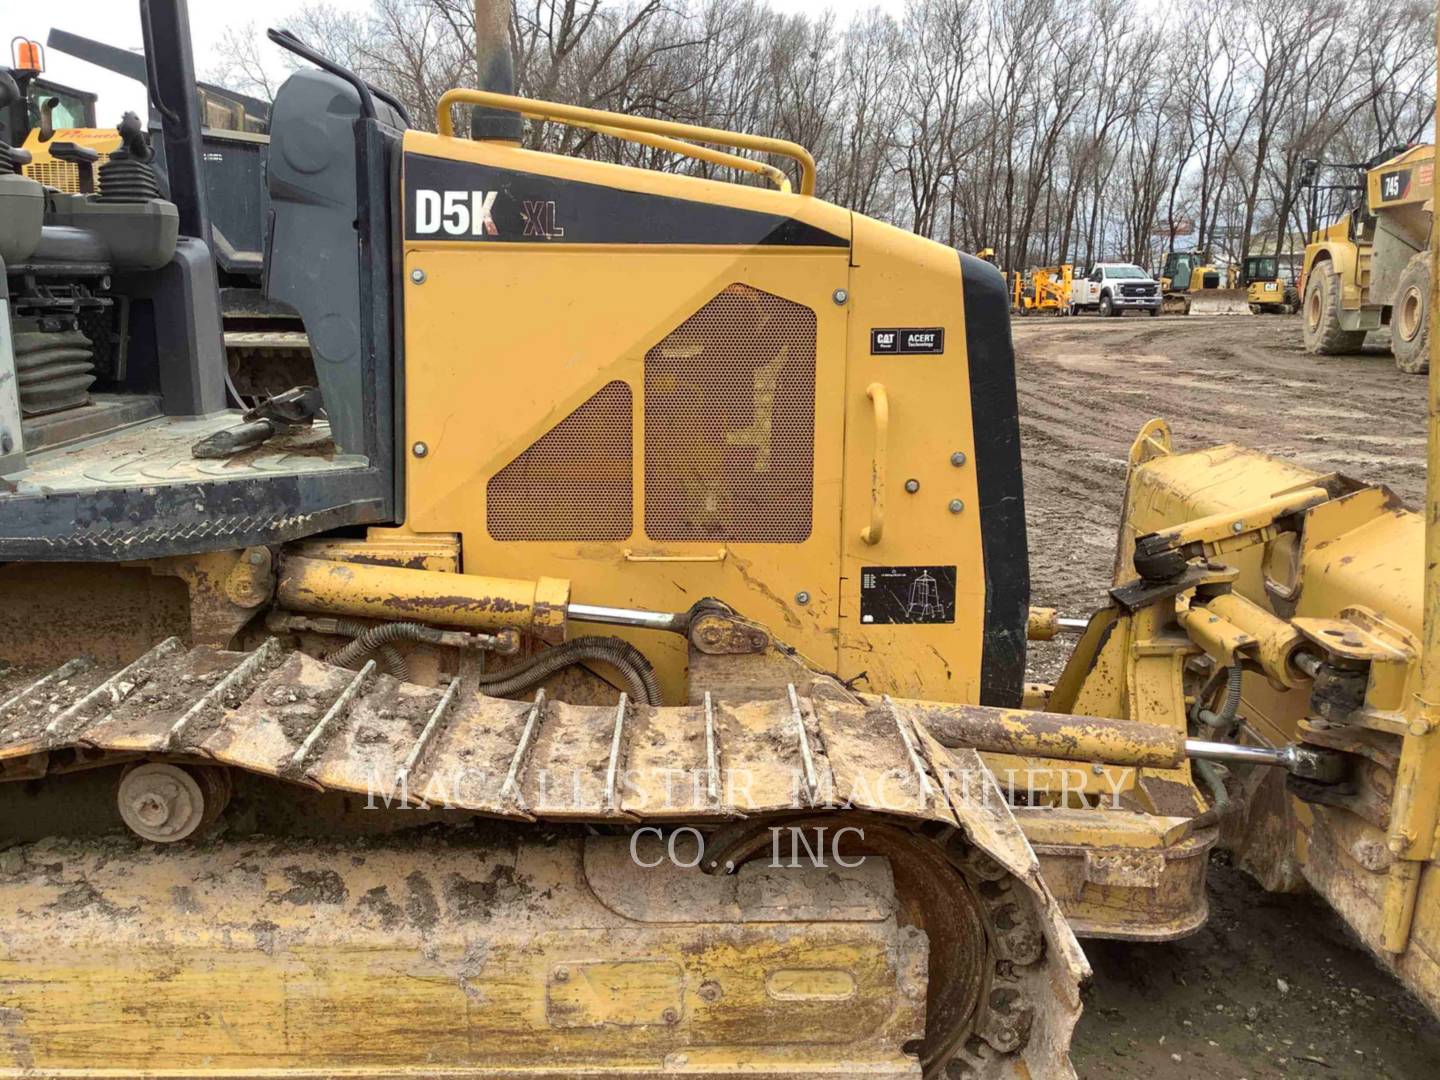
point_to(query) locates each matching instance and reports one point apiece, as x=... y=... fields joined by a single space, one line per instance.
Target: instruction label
x=907 y=594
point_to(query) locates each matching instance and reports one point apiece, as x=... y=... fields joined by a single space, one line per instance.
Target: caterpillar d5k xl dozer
x=787 y=809
x=1194 y=286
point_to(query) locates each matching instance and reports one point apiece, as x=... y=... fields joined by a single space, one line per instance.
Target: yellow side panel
x=504 y=341
x=900 y=280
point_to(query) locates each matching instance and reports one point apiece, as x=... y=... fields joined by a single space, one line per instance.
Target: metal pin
x=916 y=762
x=242 y=672
x=811 y=784
x=712 y=761
x=615 y=753
x=111 y=686
x=429 y=731
x=510 y=789
x=299 y=761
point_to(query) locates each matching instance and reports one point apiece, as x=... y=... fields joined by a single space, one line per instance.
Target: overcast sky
x=117 y=22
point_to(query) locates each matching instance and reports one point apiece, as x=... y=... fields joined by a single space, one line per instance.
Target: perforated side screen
x=56 y=174
x=575 y=481
x=730 y=422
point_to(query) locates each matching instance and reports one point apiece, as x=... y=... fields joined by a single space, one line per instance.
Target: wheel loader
x=1369 y=268
x=613 y=664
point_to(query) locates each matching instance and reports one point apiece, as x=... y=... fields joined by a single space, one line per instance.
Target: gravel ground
x=1274 y=985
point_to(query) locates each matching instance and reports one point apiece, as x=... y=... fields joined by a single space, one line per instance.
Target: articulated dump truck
x=614 y=663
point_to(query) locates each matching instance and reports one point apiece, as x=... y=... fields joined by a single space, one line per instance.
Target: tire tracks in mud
x=1087 y=385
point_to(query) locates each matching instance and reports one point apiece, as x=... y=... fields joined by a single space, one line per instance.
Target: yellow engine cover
x=665 y=388
x=50 y=170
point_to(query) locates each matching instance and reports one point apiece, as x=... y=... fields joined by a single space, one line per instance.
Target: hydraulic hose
x=1220 y=798
x=637 y=672
x=1221 y=724
x=379 y=640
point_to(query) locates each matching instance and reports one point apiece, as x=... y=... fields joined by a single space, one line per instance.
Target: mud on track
x=1212 y=1006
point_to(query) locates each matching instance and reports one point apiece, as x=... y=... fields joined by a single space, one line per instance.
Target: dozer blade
x=1220 y=302
x=591 y=929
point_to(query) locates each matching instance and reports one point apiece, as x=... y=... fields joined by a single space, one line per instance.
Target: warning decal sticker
x=907 y=594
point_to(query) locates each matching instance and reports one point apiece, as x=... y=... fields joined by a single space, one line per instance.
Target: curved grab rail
x=872 y=533
x=699 y=153
x=618 y=123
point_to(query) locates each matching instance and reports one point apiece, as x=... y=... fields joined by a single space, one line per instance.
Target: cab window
x=69 y=110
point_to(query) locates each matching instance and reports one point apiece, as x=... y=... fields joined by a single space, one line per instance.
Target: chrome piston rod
x=616 y=616
x=1309 y=762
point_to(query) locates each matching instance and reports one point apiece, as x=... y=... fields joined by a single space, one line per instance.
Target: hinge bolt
x=420 y=449
x=417 y=276
x=1238 y=527
x=957 y=506
x=840 y=296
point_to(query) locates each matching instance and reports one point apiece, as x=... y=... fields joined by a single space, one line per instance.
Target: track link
x=731 y=768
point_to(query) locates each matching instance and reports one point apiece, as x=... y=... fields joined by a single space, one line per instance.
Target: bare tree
x=1048 y=129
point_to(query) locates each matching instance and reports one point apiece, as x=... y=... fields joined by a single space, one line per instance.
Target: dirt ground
x=1274 y=986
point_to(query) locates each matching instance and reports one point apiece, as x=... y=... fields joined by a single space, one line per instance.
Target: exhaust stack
x=497 y=71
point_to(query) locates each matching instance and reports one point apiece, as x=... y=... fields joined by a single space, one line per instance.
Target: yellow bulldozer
x=1369 y=267
x=1266 y=291
x=626 y=679
x=1192 y=284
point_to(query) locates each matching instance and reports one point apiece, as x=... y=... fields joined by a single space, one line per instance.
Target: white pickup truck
x=1115 y=288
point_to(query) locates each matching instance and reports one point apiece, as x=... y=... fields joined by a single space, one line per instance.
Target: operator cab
x=1259 y=268
x=117 y=393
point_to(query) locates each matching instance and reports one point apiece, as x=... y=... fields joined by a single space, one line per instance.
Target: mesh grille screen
x=57 y=174
x=730 y=422
x=574 y=482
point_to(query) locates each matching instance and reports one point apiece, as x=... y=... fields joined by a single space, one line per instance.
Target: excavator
x=613 y=662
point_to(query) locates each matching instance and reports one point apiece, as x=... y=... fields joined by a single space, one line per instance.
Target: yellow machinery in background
x=1265 y=291
x=1369 y=267
x=1193 y=285
x=1043 y=288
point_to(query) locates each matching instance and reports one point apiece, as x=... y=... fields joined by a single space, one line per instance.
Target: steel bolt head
x=670 y=1016
x=957 y=458
x=417 y=276
x=802 y=598
x=1238 y=527
x=957 y=506
x=912 y=486
x=420 y=449
x=562 y=974
x=840 y=296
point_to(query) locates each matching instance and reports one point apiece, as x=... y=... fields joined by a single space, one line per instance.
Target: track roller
x=166 y=803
